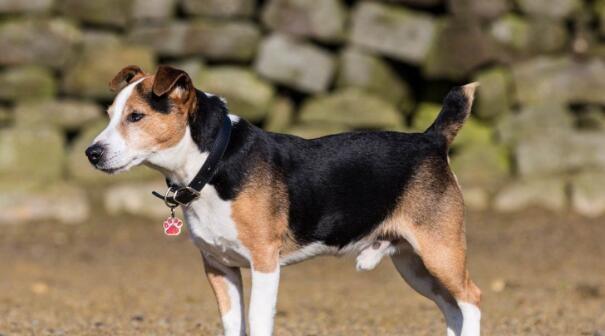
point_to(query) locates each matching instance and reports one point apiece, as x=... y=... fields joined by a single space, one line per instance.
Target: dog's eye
x=135 y=116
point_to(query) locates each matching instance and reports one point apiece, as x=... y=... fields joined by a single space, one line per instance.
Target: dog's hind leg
x=442 y=277
x=430 y=217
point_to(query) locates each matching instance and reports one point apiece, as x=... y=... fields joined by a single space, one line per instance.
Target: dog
x=276 y=199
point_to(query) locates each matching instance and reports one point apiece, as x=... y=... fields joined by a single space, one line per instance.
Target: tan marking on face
x=219 y=287
x=156 y=130
x=260 y=213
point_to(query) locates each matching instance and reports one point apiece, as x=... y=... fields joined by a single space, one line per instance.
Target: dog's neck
x=182 y=162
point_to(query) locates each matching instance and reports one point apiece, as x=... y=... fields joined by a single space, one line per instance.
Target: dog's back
x=342 y=188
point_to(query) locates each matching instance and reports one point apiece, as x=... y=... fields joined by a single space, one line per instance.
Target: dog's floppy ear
x=127 y=75
x=168 y=78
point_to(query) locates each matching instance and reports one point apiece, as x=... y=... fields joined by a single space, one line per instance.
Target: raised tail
x=456 y=109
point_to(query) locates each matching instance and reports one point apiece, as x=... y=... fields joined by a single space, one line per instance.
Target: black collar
x=177 y=195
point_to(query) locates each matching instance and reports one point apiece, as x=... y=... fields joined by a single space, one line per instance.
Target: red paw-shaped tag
x=172 y=226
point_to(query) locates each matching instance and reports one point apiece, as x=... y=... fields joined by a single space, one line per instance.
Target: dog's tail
x=456 y=109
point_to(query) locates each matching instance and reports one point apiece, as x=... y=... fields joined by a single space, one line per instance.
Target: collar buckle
x=178 y=196
x=193 y=195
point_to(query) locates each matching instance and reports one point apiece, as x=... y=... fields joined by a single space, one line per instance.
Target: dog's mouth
x=114 y=170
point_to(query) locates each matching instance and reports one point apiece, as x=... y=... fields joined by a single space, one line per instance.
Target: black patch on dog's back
x=342 y=187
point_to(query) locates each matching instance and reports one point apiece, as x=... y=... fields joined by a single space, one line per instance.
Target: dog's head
x=148 y=116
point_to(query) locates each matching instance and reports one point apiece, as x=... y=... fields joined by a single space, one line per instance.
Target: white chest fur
x=213 y=230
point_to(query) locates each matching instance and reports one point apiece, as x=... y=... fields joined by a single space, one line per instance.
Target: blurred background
x=530 y=160
x=312 y=68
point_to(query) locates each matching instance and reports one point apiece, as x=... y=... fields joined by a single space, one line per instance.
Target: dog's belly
x=319 y=249
x=213 y=230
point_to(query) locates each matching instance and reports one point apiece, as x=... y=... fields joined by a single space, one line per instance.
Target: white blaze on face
x=118 y=156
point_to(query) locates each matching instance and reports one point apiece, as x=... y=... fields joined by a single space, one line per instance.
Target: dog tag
x=172 y=225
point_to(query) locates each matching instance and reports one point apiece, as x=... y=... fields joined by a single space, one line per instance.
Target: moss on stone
x=107 y=12
x=482 y=164
x=281 y=115
x=460 y=47
x=27 y=83
x=352 y=108
x=32 y=153
x=48 y=42
x=247 y=95
x=370 y=73
x=90 y=74
x=67 y=114
x=493 y=97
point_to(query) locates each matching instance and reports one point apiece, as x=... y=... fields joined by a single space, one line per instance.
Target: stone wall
x=311 y=67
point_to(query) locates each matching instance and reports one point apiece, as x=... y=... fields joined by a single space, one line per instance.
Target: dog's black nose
x=94 y=153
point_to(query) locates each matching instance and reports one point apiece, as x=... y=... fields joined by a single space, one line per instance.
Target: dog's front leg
x=263 y=296
x=226 y=282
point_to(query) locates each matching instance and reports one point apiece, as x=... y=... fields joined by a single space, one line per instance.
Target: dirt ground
x=541 y=274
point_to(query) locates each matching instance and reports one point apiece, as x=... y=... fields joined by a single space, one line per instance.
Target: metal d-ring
x=171 y=204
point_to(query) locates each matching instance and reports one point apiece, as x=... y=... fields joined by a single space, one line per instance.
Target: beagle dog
x=276 y=199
